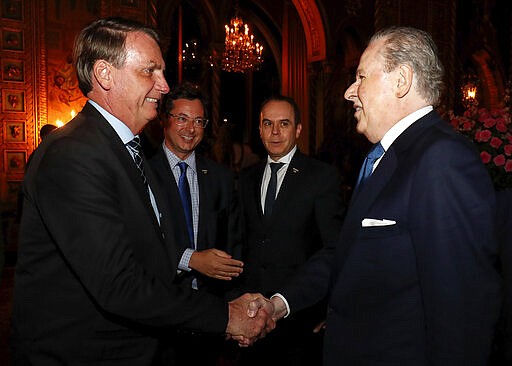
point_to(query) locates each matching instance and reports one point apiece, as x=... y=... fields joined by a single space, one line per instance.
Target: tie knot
x=376 y=152
x=183 y=166
x=274 y=167
x=134 y=144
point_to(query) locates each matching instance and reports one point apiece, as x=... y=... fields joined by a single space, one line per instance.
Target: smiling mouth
x=151 y=100
x=188 y=138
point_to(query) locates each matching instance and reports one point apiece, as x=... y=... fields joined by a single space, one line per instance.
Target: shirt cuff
x=285 y=303
x=185 y=260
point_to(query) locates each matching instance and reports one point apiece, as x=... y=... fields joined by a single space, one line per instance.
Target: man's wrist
x=185 y=260
x=281 y=307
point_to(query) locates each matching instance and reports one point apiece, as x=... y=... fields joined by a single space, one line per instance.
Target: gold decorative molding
x=40 y=83
x=313 y=29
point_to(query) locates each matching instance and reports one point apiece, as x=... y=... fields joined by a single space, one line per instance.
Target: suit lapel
x=256 y=188
x=123 y=156
x=164 y=171
x=165 y=215
x=290 y=184
x=121 y=153
x=363 y=199
x=205 y=182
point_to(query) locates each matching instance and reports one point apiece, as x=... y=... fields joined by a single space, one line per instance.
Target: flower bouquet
x=491 y=131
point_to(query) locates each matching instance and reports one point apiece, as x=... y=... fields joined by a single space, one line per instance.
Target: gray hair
x=103 y=39
x=416 y=48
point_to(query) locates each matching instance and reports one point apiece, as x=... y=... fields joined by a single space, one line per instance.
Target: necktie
x=134 y=146
x=184 y=189
x=366 y=170
x=270 y=198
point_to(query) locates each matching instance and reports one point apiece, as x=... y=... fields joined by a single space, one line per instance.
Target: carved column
x=294 y=68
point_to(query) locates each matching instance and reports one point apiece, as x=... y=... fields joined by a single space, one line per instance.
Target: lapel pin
x=205 y=171
x=295 y=170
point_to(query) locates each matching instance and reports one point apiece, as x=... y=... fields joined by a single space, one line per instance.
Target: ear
x=103 y=73
x=298 y=130
x=404 y=81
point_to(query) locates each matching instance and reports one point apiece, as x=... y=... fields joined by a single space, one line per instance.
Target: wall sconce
x=60 y=123
x=469 y=91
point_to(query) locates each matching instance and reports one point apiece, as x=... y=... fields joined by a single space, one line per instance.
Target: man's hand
x=250 y=318
x=319 y=327
x=216 y=264
x=280 y=310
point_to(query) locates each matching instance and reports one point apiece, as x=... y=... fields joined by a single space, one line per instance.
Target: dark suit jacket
x=94 y=272
x=504 y=227
x=424 y=290
x=306 y=215
x=217 y=215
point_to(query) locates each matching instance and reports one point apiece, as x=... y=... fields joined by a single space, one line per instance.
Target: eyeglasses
x=182 y=120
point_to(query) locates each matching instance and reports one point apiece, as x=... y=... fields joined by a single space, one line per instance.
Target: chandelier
x=241 y=54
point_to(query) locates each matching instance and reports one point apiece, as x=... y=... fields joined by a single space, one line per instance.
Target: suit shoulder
x=158 y=162
x=313 y=164
x=442 y=137
x=252 y=170
x=209 y=166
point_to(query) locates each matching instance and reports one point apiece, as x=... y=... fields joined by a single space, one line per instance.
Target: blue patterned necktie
x=134 y=146
x=366 y=170
x=270 y=198
x=184 y=189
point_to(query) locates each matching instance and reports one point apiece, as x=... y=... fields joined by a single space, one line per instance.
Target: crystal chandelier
x=190 y=53
x=241 y=54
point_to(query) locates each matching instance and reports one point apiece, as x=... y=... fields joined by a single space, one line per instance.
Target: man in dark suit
x=503 y=347
x=203 y=258
x=277 y=240
x=97 y=259
x=411 y=281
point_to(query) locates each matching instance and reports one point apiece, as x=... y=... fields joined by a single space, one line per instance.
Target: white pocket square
x=376 y=222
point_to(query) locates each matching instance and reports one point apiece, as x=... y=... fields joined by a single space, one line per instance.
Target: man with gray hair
x=411 y=281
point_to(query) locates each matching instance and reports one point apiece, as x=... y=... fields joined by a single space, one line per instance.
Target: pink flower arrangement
x=491 y=131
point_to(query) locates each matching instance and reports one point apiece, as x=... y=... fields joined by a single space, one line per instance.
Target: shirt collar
x=285 y=159
x=122 y=130
x=402 y=125
x=174 y=160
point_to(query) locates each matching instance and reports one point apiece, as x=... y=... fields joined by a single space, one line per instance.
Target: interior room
x=305 y=49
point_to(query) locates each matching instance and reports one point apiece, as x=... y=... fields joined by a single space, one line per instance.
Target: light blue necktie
x=366 y=170
x=184 y=189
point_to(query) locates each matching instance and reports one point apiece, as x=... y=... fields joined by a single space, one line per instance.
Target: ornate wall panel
x=18 y=112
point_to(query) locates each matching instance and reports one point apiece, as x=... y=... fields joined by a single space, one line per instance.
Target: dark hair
x=103 y=39
x=416 y=48
x=46 y=129
x=185 y=90
x=289 y=100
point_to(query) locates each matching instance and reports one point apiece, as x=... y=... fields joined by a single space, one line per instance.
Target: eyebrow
x=277 y=120
x=151 y=63
x=182 y=114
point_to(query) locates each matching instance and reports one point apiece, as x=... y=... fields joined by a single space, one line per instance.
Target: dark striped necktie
x=134 y=146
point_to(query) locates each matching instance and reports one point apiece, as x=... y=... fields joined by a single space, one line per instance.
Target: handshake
x=252 y=316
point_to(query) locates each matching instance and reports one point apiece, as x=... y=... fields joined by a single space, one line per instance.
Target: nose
x=161 y=85
x=351 y=92
x=190 y=125
x=275 y=128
